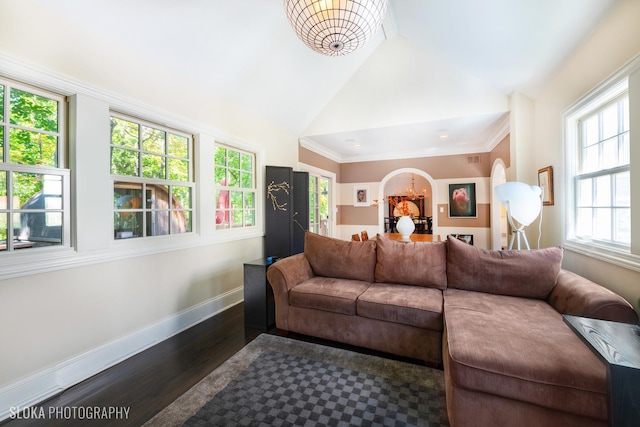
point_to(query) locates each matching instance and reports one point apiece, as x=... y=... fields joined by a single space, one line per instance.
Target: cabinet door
x=300 y=210
x=278 y=211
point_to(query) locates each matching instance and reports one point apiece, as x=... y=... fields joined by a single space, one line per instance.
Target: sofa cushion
x=521 y=349
x=530 y=274
x=408 y=305
x=328 y=294
x=339 y=258
x=411 y=263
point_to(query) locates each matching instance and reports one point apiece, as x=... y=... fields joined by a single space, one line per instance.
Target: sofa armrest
x=578 y=296
x=284 y=275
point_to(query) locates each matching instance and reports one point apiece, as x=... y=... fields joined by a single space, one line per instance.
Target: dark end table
x=259 y=304
x=618 y=346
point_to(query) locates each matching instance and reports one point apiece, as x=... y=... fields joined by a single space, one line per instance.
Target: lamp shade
x=335 y=27
x=522 y=201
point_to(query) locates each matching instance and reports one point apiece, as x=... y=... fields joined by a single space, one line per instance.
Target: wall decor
x=462 y=201
x=361 y=195
x=545 y=181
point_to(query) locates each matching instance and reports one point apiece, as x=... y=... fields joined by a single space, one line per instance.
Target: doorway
x=322 y=200
x=400 y=182
x=319 y=204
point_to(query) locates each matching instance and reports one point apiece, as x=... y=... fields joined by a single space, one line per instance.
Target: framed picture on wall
x=361 y=195
x=462 y=201
x=545 y=181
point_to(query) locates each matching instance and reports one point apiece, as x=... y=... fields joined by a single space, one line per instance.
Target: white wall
x=612 y=45
x=109 y=299
x=432 y=87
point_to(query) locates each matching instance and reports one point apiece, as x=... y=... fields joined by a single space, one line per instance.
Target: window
x=235 y=182
x=603 y=203
x=599 y=203
x=153 y=187
x=34 y=187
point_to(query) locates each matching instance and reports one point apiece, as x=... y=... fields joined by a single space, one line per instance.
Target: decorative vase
x=405 y=227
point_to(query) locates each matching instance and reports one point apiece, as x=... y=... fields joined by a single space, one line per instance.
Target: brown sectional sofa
x=491 y=318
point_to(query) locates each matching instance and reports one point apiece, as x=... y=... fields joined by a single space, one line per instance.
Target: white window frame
x=58 y=170
x=144 y=210
x=331 y=176
x=626 y=79
x=257 y=207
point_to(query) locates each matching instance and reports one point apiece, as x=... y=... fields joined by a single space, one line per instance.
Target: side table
x=259 y=304
x=618 y=345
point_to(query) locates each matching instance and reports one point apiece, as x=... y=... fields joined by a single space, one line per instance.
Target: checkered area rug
x=279 y=389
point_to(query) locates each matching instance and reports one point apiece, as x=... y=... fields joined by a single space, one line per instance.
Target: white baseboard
x=49 y=382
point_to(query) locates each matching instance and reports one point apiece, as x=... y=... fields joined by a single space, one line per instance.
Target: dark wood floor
x=152 y=379
x=149 y=381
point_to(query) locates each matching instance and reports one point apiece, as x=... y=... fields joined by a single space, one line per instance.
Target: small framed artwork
x=462 y=201
x=545 y=181
x=361 y=195
x=467 y=238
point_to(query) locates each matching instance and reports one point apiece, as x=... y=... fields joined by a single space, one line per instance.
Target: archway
x=499 y=228
x=392 y=174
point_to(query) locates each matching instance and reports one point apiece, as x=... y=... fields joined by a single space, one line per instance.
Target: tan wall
x=502 y=151
x=358 y=215
x=440 y=167
x=483 y=219
x=455 y=167
x=351 y=215
x=310 y=158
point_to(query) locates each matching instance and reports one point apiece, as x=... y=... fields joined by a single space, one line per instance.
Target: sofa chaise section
x=509 y=357
x=501 y=373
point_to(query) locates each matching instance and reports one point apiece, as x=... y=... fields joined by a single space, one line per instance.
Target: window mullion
x=604 y=172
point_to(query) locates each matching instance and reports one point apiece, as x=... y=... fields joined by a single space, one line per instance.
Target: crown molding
x=502 y=130
x=318 y=149
x=400 y=155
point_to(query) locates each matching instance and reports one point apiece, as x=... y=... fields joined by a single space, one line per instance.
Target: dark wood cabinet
x=286 y=219
x=286 y=211
x=259 y=305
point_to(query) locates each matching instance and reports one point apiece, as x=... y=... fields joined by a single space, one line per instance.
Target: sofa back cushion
x=411 y=263
x=530 y=274
x=341 y=259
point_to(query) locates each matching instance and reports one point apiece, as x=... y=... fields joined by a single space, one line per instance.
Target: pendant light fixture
x=335 y=27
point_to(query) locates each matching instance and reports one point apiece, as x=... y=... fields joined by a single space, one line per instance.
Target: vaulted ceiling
x=437 y=67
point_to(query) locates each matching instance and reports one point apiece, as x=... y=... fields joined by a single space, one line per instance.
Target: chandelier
x=335 y=27
x=411 y=192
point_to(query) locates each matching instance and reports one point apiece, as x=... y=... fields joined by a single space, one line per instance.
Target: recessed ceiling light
x=356 y=145
x=443 y=133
